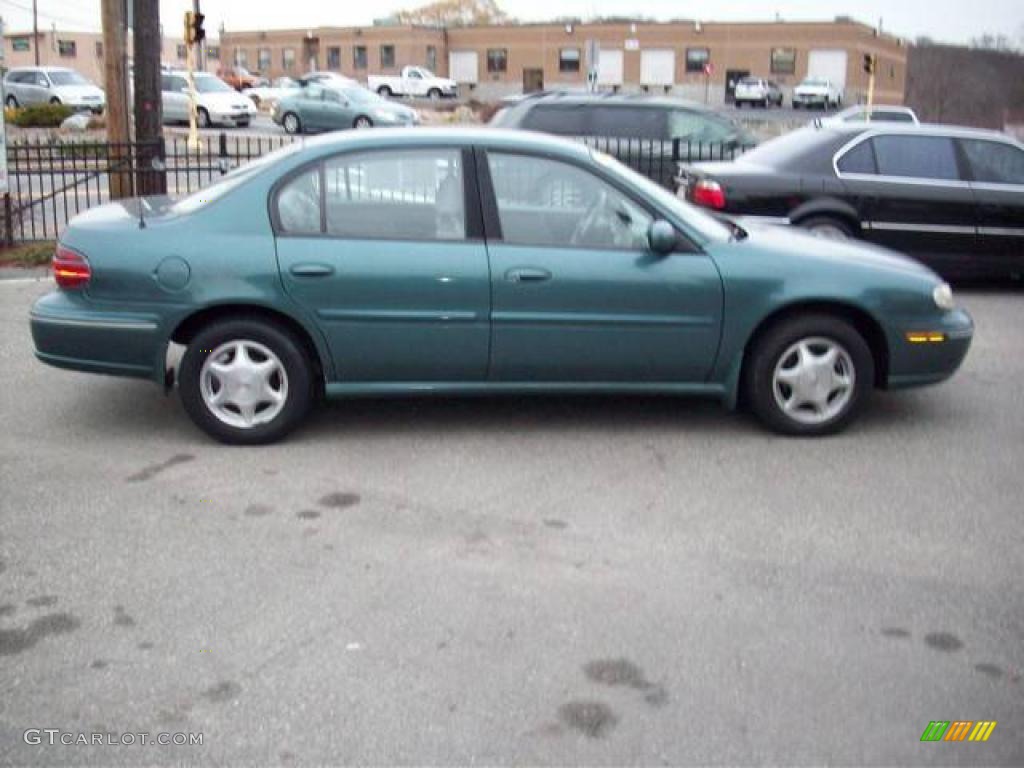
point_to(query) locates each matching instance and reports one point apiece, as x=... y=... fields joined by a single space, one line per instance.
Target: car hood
x=224 y=100
x=77 y=91
x=781 y=237
x=813 y=89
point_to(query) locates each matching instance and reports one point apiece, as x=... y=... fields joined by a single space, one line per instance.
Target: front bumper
x=69 y=334
x=234 y=117
x=922 y=363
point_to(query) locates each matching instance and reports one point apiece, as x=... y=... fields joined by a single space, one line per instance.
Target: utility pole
x=115 y=78
x=35 y=30
x=200 y=44
x=150 y=177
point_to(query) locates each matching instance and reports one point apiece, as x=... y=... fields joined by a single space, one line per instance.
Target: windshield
x=67 y=78
x=212 y=85
x=360 y=95
x=814 y=81
x=285 y=82
x=703 y=223
x=233 y=179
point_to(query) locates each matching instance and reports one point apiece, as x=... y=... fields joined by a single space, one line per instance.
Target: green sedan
x=318 y=107
x=456 y=262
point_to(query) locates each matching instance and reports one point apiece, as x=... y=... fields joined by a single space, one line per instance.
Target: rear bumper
x=68 y=335
x=920 y=364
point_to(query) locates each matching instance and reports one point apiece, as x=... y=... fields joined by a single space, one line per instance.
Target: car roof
x=40 y=68
x=923 y=129
x=584 y=98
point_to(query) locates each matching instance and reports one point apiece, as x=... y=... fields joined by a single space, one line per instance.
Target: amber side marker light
x=917 y=337
x=70 y=268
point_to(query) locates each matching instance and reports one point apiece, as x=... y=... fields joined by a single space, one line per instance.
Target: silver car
x=25 y=86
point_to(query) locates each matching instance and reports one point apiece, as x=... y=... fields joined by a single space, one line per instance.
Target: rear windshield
x=788 y=148
x=196 y=200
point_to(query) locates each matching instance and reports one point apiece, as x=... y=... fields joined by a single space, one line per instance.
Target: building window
x=99 y=49
x=212 y=52
x=21 y=44
x=359 y=57
x=334 y=57
x=263 y=59
x=432 y=57
x=67 y=48
x=288 y=59
x=783 y=61
x=241 y=58
x=697 y=59
x=497 y=59
x=568 y=60
x=182 y=52
x=387 y=56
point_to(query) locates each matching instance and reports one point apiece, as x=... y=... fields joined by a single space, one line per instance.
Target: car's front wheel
x=246 y=381
x=291 y=123
x=362 y=122
x=203 y=117
x=809 y=375
x=434 y=94
x=384 y=91
x=12 y=102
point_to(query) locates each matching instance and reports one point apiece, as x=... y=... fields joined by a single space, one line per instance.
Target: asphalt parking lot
x=549 y=581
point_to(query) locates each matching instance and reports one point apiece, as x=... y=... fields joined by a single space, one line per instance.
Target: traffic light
x=194 y=32
x=869 y=63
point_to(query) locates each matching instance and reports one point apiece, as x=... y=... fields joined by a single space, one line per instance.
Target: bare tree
x=454 y=13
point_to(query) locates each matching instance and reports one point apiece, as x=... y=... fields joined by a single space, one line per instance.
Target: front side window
x=549 y=202
x=405 y=195
x=697 y=59
x=387 y=56
x=698 y=127
x=783 y=61
x=994 y=162
x=569 y=60
x=497 y=59
x=919 y=157
x=559 y=120
x=860 y=159
x=628 y=122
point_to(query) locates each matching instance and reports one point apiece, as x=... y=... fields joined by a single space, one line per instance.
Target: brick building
x=490 y=61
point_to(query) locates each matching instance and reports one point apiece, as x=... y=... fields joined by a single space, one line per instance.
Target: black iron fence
x=49 y=182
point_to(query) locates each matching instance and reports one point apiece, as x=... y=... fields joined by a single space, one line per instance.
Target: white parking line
x=21 y=280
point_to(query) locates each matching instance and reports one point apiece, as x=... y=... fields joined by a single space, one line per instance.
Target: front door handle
x=527 y=275
x=311 y=270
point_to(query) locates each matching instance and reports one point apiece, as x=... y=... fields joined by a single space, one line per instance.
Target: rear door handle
x=311 y=270
x=527 y=275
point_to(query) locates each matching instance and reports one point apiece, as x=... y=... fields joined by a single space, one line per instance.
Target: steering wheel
x=596 y=214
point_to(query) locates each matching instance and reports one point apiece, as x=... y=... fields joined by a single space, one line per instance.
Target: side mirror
x=661 y=237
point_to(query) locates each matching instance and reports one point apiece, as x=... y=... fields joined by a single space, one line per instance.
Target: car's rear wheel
x=384 y=91
x=362 y=122
x=12 y=102
x=246 y=381
x=434 y=94
x=55 y=101
x=827 y=227
x=809 y=375
x=203 y=117
x=291 y=123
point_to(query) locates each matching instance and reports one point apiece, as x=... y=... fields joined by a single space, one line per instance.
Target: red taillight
x=70 y=268
x=709 y=194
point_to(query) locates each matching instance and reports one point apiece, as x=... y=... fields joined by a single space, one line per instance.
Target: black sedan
x=951 y=197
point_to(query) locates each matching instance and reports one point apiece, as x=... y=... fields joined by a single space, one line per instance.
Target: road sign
x=709 y=69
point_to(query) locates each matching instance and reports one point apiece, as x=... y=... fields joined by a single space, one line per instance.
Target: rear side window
x=994 y=162
x=298 y=204
x=562 y=121
x=627 y=123
x=698 y=127
x=860 y=159
x=918 y=157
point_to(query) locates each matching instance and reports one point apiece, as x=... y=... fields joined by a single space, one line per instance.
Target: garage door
x=463 y=67
x=609 y=67
x=829 y=64
x=657 y=67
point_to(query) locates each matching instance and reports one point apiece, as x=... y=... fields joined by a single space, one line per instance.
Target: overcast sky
x=947 y=20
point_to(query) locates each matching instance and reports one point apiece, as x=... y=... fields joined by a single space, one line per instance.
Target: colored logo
x=958 y=730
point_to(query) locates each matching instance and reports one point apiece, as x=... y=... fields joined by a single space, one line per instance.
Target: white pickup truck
x=414 y=81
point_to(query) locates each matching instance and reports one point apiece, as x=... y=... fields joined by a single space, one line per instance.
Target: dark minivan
x=952 y=197
x=637 y=129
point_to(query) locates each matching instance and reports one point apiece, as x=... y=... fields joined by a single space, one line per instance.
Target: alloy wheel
x=814 y=380
x=243 y=384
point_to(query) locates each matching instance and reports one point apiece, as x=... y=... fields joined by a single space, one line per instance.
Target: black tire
x=384 y=91
x=829 y=227
x=12 y=101
x=202 y=118
x=764 y=103
x=362 y=122
x=772 y=345
x=55 y=100
x=739 y=104
x=291 y=122
x=243 y=123
x=301 y=390
x=796 y=105
x=434 y=94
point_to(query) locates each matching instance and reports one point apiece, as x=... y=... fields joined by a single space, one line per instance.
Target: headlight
x=943 y=296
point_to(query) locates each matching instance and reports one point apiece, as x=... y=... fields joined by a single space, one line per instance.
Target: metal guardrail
x=52 y=181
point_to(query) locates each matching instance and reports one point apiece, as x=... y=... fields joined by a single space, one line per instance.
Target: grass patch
x=27 y=255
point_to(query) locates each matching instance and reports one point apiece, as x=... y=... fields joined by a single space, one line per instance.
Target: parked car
x=951 y=197
x=324 y=78
x=817 y=92
x=638 y=130
x=414 y=81
x=238 y=78
x=217 y=103
x=486 y=262
x=272 y=93
x=26 y=86
x=318 y=107
x=757 y=92
x=879 y=113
